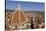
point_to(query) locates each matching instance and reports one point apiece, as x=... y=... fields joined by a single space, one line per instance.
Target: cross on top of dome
x=18 y=5
x=18 y=8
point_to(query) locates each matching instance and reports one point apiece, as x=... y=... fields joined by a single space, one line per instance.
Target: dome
x=19 y=17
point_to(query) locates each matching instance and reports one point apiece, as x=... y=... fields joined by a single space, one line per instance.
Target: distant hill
x=26 y=11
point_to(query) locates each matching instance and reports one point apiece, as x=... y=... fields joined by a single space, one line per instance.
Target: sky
x=27 y=6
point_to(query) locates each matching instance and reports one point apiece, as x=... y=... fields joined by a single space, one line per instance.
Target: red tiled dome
x=18 y=17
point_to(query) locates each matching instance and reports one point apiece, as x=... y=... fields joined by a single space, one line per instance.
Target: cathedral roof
x=19 y=17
